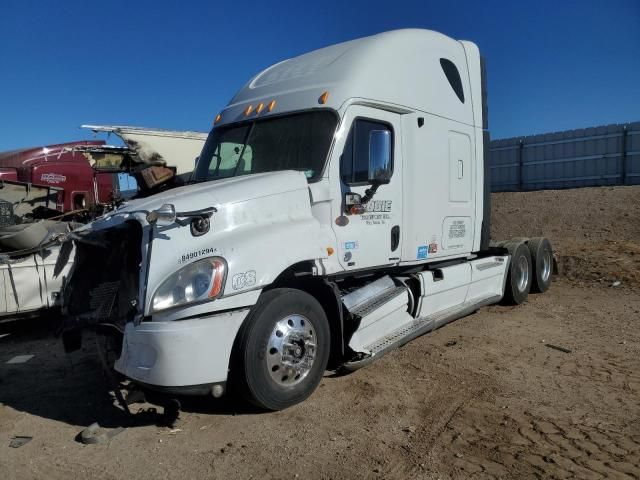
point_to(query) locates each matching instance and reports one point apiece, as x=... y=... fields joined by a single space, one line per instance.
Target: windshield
x=298 y=141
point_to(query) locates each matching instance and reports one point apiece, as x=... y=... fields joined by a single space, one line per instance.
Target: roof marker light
x=248 y=110
x=218 y=118
x=323 y=98
x=259 y=108
x=272 y=104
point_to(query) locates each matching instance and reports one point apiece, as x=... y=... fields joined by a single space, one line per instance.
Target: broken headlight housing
x=196 y=282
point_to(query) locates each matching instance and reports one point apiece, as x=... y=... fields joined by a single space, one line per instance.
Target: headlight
x=201 y=280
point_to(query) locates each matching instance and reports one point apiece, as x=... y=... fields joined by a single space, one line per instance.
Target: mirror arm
x=369 y=193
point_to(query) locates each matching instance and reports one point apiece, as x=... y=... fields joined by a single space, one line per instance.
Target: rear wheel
x=542 y=259
x=519 y=276
x=282 y=349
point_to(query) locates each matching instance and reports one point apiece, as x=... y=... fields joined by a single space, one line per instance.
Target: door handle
x=395 y=238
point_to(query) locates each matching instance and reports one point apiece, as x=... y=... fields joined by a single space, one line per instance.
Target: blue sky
x=552 y=65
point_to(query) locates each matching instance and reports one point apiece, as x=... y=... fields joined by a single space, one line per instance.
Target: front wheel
x=282 y=349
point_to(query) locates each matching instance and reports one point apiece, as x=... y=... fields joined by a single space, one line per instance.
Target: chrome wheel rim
x=546 y=266
x=291 y=350
x=522 y=270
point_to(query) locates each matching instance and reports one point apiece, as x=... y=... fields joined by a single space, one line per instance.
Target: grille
x=102 y=299
x=103 y=285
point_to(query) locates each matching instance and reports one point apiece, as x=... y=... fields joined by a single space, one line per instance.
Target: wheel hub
x=546 y=265
x=522 y=274
x=291 y=350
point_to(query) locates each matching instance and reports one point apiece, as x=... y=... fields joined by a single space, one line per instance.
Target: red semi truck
x=65 y=166
x=84 y=177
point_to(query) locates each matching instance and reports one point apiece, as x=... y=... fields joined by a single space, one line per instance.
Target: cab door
x=369 y=234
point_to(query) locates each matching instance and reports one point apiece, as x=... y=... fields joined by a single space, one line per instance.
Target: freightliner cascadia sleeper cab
x=339 y=208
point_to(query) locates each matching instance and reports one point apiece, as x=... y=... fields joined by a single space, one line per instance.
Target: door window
x=354 y=162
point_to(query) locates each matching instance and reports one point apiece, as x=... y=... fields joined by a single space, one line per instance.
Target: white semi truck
x=339 y=208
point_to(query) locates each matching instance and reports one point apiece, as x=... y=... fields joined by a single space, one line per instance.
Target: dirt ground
x=483 y=397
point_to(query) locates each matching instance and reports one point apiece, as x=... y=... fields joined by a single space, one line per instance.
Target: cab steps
x=415 y=328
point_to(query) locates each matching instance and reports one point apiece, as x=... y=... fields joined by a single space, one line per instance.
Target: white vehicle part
x=397 y=73
x=255 y=250
x=29 y=284
x=365 y=241
x=262 y=226
x=448 y=293
x=488 y=277
x=183 y=353
x=380 y=317
x=444 y=288
x=399 y=67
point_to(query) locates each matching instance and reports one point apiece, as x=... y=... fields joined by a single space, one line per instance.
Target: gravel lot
x=484 y=397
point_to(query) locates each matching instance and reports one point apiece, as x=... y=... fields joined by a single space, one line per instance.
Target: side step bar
x=418 y=327
x=374 y=303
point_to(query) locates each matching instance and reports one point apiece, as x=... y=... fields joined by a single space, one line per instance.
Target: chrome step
x=416 y=328
x=376 y=302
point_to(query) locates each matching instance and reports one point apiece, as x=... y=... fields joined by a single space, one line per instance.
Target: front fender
x=269 y=251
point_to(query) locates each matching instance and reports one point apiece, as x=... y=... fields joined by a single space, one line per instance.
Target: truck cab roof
x=400 y=70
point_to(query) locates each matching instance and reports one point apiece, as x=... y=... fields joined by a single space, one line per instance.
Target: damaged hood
x=222 y=192
x=263 y=224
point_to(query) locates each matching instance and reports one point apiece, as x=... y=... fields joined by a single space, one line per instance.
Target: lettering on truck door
x=371 y=237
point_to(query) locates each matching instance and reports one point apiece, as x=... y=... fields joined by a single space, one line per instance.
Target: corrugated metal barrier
x=607 y=155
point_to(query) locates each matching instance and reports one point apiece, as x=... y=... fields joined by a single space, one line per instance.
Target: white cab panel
x=444 y=288
x=488 y=277
x=400 y=67
x=460 y=173
x=29 y=284
x=438 y=192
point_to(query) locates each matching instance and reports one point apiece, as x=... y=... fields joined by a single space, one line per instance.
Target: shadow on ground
x=74 y=389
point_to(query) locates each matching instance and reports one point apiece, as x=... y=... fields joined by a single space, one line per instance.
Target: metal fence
x=607 y=155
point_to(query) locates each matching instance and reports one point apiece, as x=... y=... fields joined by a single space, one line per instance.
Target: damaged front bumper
x=180 y=350
x=188 y=356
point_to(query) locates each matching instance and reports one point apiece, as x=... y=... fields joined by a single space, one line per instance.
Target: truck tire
x=520 y=273
x=542 y=259
x=282 y=349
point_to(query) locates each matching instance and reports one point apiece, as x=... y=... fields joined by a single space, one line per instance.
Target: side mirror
x=379 y=157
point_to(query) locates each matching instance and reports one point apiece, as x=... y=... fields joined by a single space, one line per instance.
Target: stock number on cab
x=185 y=257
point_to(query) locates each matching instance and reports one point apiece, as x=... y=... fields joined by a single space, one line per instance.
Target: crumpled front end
x=103 y=288
x=178 y=291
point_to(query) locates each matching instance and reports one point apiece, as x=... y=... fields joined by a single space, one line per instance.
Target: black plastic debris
x=556 y=347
